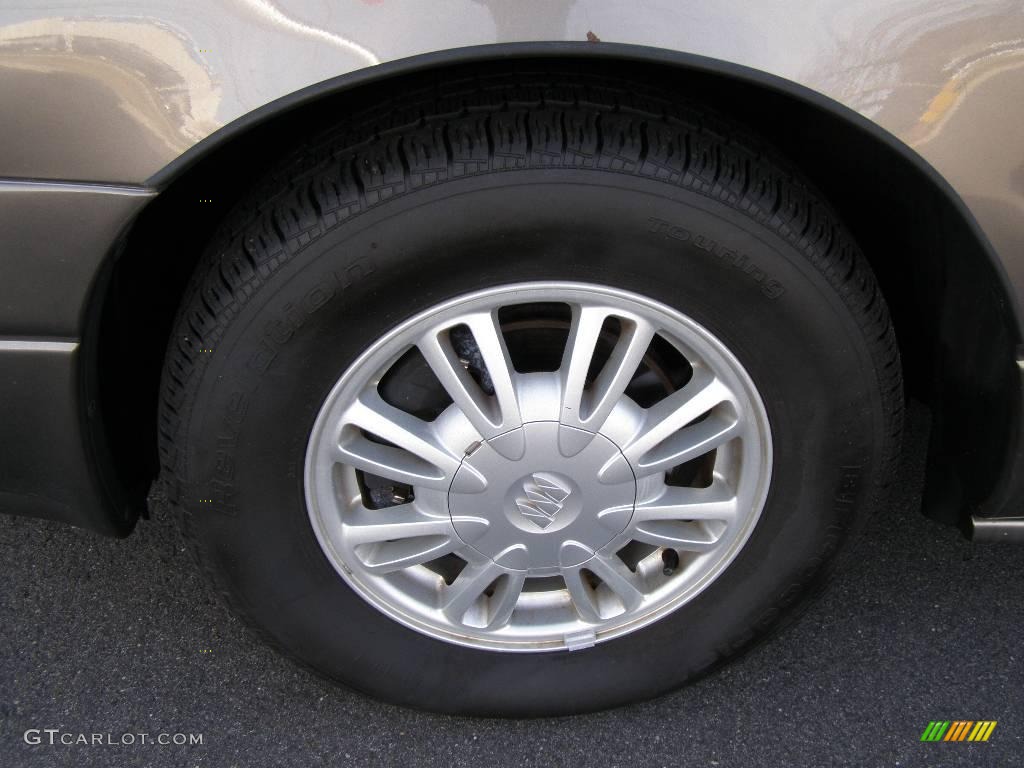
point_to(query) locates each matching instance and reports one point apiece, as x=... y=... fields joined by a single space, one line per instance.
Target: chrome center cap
x=544 y=510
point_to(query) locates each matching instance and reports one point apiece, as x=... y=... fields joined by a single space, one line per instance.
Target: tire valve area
x=670 y=561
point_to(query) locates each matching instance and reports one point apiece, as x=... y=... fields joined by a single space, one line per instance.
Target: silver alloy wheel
x=536 y=511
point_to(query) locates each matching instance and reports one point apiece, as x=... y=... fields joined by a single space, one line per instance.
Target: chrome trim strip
x=998 y=529
x=50 y=185
x=35 y=345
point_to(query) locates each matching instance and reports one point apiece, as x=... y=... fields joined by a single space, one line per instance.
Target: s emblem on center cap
x=544 y=499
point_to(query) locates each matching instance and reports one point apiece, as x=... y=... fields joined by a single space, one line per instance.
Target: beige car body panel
x=114 y=91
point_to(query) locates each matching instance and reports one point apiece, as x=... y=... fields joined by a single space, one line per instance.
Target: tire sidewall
x=283 y=348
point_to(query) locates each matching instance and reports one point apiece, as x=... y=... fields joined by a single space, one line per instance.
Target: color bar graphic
x=958 y=730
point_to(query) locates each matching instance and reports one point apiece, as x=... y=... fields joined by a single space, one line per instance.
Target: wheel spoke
x=579 y=353
x=589 y=409
x=464 y=601
x=482 y=411
x=619 y=579
x=623 y=588
x=582 y=594
x=469 y=585
x=504 y=599
x=676 y=534
x=688 y=504
x=391 y=556
x=678 y=518
x=404 y=521
x=702 y=393
x=491 y=343
x=689 y=443
x=416 y=456
x=617 y=372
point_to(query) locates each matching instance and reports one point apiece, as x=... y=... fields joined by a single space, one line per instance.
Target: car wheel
x=546 y=399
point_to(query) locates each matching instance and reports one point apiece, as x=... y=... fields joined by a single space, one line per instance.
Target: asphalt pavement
x=118 y=638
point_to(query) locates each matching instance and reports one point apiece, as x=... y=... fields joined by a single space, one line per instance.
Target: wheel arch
x=933 y=262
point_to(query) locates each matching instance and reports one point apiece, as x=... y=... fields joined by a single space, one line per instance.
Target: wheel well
x=934 y=265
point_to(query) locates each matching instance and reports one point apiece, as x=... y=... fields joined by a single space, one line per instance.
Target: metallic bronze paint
x=115 y=90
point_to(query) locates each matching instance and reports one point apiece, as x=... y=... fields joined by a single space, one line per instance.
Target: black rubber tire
x=501 y=180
